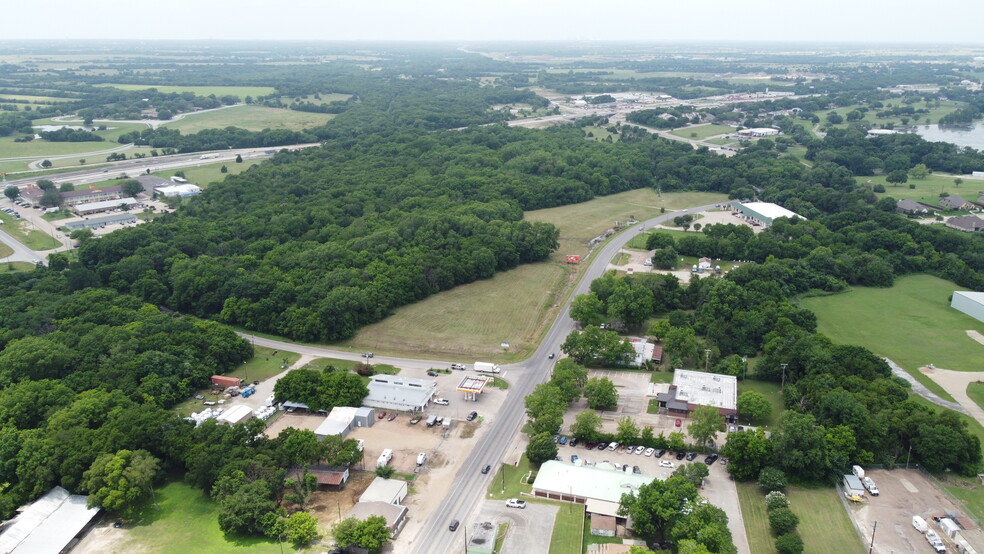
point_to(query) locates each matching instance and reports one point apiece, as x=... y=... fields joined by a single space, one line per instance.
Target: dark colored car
x=432 y=374
x=602 y=445
x=660 y=452
x=680 y=455
x=711 y=459
x=551 y=356
x=572 y=442
x=486 y=469
x=381 y=415
x=635 y=469
x=472 y=416
x=691 y=456
x=454 y=525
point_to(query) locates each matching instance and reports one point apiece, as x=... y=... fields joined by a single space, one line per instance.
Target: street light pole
x=782 y=387
x=707 y=358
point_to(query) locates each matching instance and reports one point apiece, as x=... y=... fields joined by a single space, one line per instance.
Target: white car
x=665 y=463
x=613 y=446
x=649 y=451
x=640 y=449
x=441 y=401
x=516 y=503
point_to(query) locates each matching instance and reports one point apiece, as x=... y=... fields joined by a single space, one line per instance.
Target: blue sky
x=466 y=20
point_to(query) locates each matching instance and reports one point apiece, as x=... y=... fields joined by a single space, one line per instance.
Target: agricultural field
x=824 y=525
x=471 y=320
x=251 y=118
x=924 y=328
x=242 y=92
x=701 y=132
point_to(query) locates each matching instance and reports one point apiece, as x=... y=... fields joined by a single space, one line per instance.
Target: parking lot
x=903 y=494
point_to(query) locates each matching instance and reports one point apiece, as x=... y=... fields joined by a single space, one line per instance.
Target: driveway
x=529 y=529
x=955 y=383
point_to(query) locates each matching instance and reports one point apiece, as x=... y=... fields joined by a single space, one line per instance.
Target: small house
x=954 y=202
x=911 y=207
x=965 y=223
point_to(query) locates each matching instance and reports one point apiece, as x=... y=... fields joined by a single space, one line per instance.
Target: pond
x=971 y=135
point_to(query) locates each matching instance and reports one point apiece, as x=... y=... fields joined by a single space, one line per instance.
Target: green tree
x=239 y=158
x=656 y=506
x=747 y=453
x=790 y=543
x=223 y=169
x=919 y=172
x=301 y=529
x=587 y=309
x=385 y=471
x=628 y=431
x=682 y=342
x=776 y=499
x=897 y=176
x=630 y=304
x=772 y=479
x=695 y=473
x=753 y=406
x=586 y=426
x=117 y=482
x=665 y=258
x=800 y=446
x=658 y=240
x=51 y=198
x=245 y=511
x=601 y=394
x=11 y=192
x=131 y=187
x=300 y=491
x=370 y=534
x=46 y=163
x=541 y=448
x=782 y=521
x=659 y=329
x=705 y=422
x=66 y=187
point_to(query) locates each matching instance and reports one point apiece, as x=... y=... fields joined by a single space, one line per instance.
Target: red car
x=678 y=422
x=383 y=414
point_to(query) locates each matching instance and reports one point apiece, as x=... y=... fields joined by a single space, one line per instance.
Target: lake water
x=971 y=135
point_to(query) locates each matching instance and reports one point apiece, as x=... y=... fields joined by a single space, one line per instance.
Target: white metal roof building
x=600 y=489
x=764 y=212
x=390 y=491
x=104 y=205
x=391 y=392
x=343 y=419
x=94 y=222
x=970 y=303
x=49 y=524
x=697 y=388
x=758 y=132
x=236 y=414
x=182 y=190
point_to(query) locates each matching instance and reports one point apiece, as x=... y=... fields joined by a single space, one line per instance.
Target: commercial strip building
x=970 y=303
x=102 y=221
x=105 y=206
x=598 y=487
x=691 y=389
x=33 y=195
x=763 y=213
x=757 y=132
x=343 y=419
x=407 y=394
x=52 y=523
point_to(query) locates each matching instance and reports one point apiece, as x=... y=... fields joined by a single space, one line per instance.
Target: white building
x=236 y=414
x=179 y=190
x=643 y=350
x=691 y=389
x=392 y=392
x=599 y=488
x=970 y=303
x=763 y=213
x=390 y=491
x=49 y=524
x=343 y=419
x=104 y=206
x=758 y=132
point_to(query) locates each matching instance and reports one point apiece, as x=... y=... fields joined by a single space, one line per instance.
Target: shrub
x=772 y=479
x=789 y=544
x=776 y=499
x=782 y=521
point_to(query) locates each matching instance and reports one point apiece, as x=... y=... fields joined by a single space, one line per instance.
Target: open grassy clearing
x=926 y=190
x=976 y=393
x=800 y=153
x=4 y=249
x=701 y=132
x=24 y=231
x=325 y=98
x=471 y=320
x=509 y=480
x=251 y=118
x=568 y=529
x=208 y=173
x=638 y=242
x=968 y=491
x=242 y=92
x=923 y=328
x=187 y=522
x=770 y=391
x=594 y=132
x=10 y=267
x=825 y=526
x=35 y=99
x=934 y=115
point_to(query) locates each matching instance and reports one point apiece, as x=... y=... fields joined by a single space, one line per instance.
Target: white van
x=421 y=458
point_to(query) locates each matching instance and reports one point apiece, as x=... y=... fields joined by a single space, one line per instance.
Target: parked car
x=574 y=459
x=441 y=402
x=665 y=463
x=454 y=525
x=732 y=428
x=613 y=446
x=556 y=439
x=486 y=469
x=602 y=445
x=680 y=455
x=629 y=449
x=516 y=503
x=650 y=451
x=691 y=456
x=392 y=416
x=572 y=442
x=472 y=416
x=659 y=452
x=431 y=373
x=724 y=461
x=711 y=459
x=640 y=449
x=381 y=415
x=679 y=422
x=635 y=469
x=563 y=440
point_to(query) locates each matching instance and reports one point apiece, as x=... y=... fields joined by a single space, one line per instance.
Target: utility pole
x=783 y=385
x=872 y=545
x=907 y=457
x=707 y=358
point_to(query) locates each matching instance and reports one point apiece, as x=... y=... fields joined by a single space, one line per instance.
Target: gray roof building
x=392 y=392
x=966 y=223
x=394 y=514
x=954 y=202
x=343 y=419
x=94 y=222
x=907 y=206
x=49 y=524
x=697 y=388
x=104 y=205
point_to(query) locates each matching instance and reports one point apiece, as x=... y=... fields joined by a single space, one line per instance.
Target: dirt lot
x=905 y=493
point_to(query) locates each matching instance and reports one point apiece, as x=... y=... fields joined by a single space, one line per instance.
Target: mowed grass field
x=187 y=522
x=926 y=190
x=471 y=320
x=241 y=92
x=251 y=118
x=701 y=132
x=976 y=393
x=912 y=323
x=204 y=175
x=934 y=115
x=824 y=526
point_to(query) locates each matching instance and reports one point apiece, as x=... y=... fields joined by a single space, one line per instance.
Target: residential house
x=911 y=207
x=954 y=202
x=965 y=223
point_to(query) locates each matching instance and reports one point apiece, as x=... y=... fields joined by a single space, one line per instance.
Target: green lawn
x=325 y=98
x=241 y=91
x=621 y=258
x=976 y=393
x=4 y=249
x=568 y=529
x=508 y=481
x=701 y=132
x=968 y=491
x=251 y=118
x=638 y=242
x=27 y=234
x=10 y=267
x=922 y=329
x=186 y=522
x=208 y=173
x=934 y=115
x=768 y=389
x=926 y=190
x=825 y=526
x=599 y=133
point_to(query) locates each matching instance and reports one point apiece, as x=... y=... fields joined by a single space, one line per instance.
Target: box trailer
x=920 y=524
x=858 y=471
x=486 y=367
x=223 y=381
x=384 y=458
